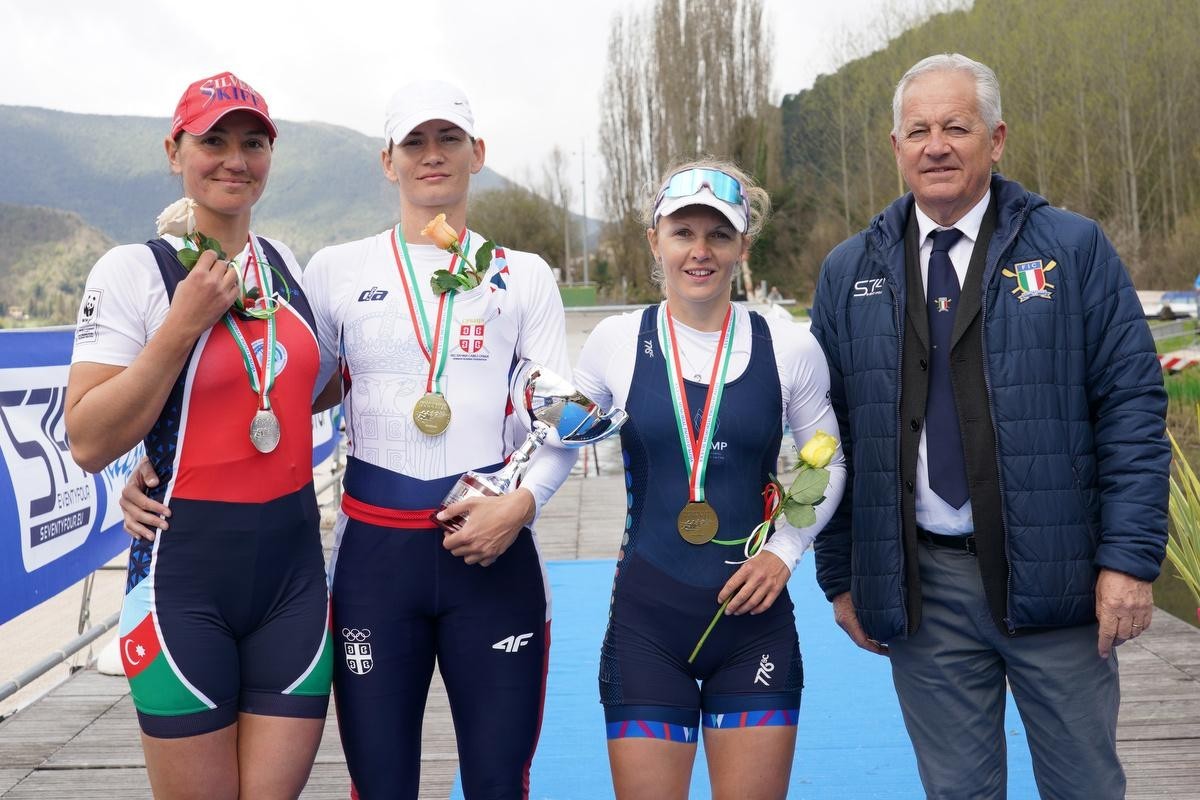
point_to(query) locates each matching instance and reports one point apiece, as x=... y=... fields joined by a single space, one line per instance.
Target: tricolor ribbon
x=262 y=378
x=434 y=343
x=697 y=445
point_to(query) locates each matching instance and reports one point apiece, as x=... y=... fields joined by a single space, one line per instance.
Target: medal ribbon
x=434 y=344
x=261 y=380
x=696 y=444
x=260 y=384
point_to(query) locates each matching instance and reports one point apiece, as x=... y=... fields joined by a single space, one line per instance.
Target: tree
x=557 y=187
x=686 y=77
x=517 y=217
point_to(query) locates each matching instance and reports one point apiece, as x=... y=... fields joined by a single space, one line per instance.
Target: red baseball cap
x=209 y=99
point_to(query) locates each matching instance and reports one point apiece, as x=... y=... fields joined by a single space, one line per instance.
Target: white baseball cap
x=421 y=101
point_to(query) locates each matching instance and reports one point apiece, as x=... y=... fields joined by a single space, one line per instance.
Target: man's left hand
x=755 y=585
x=492 y=525
x=1124 y=606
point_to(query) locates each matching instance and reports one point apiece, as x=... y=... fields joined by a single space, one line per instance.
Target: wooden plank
x=74 y=784
x=81 y=740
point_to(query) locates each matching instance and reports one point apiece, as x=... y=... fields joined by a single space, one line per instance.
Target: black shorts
x=748 y=672
x=227 y=611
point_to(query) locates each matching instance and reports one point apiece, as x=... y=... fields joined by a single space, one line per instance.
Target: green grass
x=578 y=295
x=1177 y=343
x=1183 y=389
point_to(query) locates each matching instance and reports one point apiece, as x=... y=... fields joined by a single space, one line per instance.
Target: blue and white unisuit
x=400 y=599
x=749 y=671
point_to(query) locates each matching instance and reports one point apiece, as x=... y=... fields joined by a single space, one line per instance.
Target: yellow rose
x=178 y=219
x=819 y=450
x=440 y=232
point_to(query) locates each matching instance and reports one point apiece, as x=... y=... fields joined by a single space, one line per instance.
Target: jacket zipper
x=987 y=383
x=899 y=426
x=898 y=320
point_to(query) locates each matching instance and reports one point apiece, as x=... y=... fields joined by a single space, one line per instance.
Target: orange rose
x=440 y=232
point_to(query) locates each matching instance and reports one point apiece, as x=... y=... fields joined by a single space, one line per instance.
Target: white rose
x=178 y=219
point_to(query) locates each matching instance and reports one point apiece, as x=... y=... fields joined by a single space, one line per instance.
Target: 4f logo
x=358 y=650
x=765 y=668
x=511 y=644
x=869 y=287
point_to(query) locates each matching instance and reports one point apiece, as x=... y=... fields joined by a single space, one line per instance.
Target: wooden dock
x=81 y=739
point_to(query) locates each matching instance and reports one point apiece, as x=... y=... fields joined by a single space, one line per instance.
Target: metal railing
x=1169 y=330
x=91 y=634
x=58 y=657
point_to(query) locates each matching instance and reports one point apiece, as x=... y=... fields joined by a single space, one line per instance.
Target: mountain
x=326 y=183
x=44 y=260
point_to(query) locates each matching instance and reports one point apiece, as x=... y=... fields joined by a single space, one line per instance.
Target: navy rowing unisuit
x=664 y=596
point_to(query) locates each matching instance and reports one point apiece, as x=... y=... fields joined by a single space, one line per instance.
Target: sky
x=533 y=69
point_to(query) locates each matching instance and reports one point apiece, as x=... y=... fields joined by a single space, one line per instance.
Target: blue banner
x=57 y=522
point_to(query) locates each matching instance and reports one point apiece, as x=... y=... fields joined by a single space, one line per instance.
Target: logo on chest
x=372 y=294
x=1031 y=279
x=280 y=357
x=469 y=337
x=869 y=287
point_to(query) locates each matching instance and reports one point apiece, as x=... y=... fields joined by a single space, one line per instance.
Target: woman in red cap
x=200 y=344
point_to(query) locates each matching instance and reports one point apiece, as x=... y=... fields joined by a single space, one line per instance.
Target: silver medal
x=264 y=431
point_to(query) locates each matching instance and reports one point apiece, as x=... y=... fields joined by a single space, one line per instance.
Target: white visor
x=736 y=214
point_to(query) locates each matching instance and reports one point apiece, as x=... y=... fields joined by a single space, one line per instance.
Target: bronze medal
x=697 y=523
x=432 y=414
x=264 y=431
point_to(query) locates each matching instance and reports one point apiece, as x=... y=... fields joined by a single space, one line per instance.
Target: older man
x=1003 y=414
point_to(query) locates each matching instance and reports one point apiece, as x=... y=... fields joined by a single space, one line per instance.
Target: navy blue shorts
x=400 y=601
x=227 y=611
x=748 y=673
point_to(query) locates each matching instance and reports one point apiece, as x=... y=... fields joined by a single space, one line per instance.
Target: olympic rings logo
x=355 y=635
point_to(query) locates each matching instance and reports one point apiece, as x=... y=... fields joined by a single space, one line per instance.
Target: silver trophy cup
x=553 y=410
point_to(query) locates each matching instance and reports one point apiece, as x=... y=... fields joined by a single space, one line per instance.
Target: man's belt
x=964 y=544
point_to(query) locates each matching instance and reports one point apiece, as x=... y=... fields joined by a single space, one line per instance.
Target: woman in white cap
x=210 y=358
x=707 y=385
x=426 y=397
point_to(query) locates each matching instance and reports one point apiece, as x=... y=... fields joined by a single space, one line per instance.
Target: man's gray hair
x=987 y=88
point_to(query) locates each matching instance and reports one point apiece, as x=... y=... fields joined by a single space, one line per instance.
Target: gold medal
x=264 y=431
x=432 y=414
x=697 y=523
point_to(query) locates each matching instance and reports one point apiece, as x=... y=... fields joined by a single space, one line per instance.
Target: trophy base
x=471 y=484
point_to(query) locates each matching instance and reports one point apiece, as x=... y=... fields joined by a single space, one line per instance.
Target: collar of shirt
x=960 y=253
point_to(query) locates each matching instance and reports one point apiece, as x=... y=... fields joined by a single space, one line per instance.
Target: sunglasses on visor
x=690 y=181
